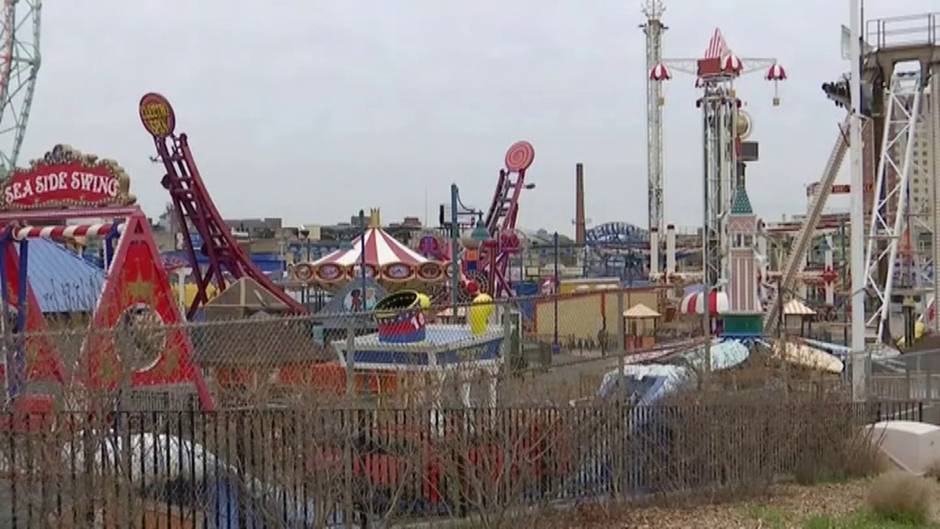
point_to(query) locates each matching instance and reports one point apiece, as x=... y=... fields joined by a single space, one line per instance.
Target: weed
x=769 y=517
x=901 y=497
x=861 y=520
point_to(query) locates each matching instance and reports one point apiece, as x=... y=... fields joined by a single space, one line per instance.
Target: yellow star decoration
x=140 y=289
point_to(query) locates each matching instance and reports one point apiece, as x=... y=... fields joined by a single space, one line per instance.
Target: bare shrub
x=836 y=447
x=933 y=470
x=901 y=497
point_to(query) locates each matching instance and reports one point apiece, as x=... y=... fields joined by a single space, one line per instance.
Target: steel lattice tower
x=653 y=28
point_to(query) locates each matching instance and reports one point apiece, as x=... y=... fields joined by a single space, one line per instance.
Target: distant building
x=261 y=228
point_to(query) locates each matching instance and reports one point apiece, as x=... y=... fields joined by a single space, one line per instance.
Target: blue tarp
x=61 y=280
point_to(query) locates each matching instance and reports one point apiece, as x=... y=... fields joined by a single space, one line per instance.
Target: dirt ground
x=785 y=507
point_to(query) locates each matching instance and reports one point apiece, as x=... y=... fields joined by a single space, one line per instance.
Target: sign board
x=66 y=178
x=837 y=189
x=157 y=115
x=846 y=43
x=709 y=67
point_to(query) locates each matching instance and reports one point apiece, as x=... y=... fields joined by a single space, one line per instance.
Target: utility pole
x=857 y=214
x=556 y=346
x=454 y=264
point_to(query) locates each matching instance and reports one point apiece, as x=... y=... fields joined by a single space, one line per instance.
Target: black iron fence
x=316 y=468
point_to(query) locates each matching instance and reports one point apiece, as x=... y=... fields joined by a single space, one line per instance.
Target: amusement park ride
x=726 y=128
x=226 y=259
x=897 y=62
x=67 y=196
x=66 y=185
x=19 y=65
x=501 y=217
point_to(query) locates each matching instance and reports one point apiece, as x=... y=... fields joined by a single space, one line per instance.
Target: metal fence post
x=908 y=388
x=621 y=349
x=509 y=348
x=348 y=510
x=350 y=358
x=927 y=386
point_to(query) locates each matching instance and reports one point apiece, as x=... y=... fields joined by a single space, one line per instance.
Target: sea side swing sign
x=66 y=178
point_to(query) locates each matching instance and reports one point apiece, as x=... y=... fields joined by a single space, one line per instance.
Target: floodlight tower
x=654 y=28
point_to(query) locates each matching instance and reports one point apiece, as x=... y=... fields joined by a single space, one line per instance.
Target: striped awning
x=795 y=307
x=692 y=303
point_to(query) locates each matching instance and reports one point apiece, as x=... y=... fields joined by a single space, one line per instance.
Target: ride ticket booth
x=640 y=324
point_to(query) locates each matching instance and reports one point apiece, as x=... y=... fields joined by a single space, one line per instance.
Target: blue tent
x=61 y=280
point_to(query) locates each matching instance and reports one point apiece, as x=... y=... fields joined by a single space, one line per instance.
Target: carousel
x=384 y=259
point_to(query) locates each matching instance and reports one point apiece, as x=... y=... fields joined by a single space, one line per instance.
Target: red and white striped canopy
x=776 y=73
x=732 y=63
x=716 y=46
x=381 y=249
x=660 y=73
x=692 y=303
x=70 y=231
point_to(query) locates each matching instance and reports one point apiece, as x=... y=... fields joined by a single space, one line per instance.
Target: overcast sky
x=312 y=109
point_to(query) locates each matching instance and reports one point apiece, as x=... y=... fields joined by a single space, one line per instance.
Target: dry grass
x=901 y=497
x=783 y=507
x=933 y=471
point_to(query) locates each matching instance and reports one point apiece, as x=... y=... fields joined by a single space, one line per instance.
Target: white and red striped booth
x=692 y=303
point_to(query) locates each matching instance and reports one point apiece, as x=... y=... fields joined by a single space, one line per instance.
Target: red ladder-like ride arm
x=196 y=211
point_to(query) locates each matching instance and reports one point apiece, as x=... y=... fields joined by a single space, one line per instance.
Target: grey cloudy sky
x=313 y=109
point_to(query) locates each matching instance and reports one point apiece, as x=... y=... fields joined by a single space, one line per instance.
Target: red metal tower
x=501 y=218
x=196 y=211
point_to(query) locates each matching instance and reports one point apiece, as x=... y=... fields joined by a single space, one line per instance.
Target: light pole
x=556 y=347
x=362 y=256
x=454 y=234
x=304 y=235
x=857 y=213
x=454 y=265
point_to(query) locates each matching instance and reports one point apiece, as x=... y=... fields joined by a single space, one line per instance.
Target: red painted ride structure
x=37 y=202
x=196 y=211
x=501 y=217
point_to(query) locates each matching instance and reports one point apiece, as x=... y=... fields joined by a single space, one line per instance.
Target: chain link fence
x=541 y=350
x=370 y=468
x=486 y=411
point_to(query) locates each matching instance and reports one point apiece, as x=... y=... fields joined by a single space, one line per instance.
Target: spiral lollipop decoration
x=520 y=156
x=479 y=279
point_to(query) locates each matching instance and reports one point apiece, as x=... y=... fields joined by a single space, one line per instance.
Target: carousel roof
x=380 y=247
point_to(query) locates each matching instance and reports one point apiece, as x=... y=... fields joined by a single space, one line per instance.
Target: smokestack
x=579 y=204
x=654 y=251
x=670 y=249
